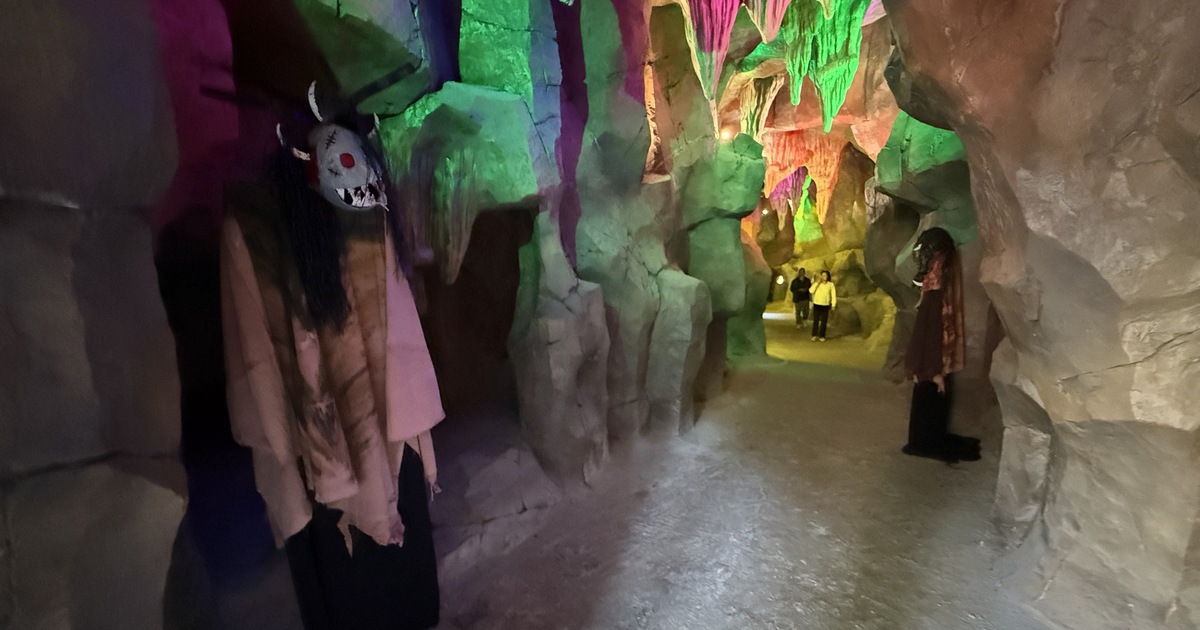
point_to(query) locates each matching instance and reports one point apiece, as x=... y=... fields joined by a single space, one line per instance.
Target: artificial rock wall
x=1081 y=124
x=91 y=489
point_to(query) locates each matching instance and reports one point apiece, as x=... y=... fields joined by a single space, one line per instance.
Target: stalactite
x=784 y=152
x=710 y=23
x=786 y=198
x=455 y=206
x=823 y=40
x=756 y=98
x=797 y=32
x=767 y=15
x=823 y=167
x=819 y=152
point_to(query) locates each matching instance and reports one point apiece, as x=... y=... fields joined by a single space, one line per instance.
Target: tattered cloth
x=327 y=413
x=938 y=344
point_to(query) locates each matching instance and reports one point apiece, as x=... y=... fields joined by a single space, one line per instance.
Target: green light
x=822 y=41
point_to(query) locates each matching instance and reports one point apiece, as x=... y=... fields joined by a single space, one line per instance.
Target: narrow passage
x=788 y=506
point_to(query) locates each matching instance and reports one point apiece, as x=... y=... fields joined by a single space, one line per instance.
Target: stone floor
x=788 y=506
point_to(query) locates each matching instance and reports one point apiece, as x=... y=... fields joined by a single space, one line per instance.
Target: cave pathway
x=789 y=505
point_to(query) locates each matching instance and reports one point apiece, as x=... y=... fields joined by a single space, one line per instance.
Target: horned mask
x=339 y=165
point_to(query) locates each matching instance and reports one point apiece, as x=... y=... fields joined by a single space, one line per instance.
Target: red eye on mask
x=347 y=160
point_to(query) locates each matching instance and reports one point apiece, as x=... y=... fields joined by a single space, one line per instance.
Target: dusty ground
x=788 y=506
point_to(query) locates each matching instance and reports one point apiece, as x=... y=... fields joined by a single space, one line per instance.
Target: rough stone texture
x=468 y=149
x=747 y=337
x=84 y=86
x=494 y=490
x=374 y=49
x=1081 y=122
x=89 y=365
x=677 y=347
x=621 y=234
x=845 y=226
x=890 y=229
x=560 y=346
x=90 y=546
x=633 y=230
x=197 y=51
x=510 y=45
x=716 y=259
x=721 y=191
x=788 y=506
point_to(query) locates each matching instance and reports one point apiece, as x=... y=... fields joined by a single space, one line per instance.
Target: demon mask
x=340 y=165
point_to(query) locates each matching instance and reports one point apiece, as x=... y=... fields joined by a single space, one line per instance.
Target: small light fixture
x=765 y=211
x=779 y=280
x=726 y=135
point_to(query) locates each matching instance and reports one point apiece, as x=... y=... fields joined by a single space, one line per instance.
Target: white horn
x=301 y=154
x=312 y=101
x=279 y=134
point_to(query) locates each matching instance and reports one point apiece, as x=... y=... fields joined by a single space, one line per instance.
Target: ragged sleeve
x=258 y=412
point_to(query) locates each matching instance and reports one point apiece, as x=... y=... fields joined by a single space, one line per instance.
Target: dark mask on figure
x=930 y=243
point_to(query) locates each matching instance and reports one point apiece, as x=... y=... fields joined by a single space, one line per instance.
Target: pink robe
x=346 y=452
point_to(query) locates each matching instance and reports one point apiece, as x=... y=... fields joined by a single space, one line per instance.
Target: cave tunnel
x=342 y=314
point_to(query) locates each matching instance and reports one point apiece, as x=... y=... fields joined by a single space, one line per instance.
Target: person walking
x=824 y=299
x=800 y=295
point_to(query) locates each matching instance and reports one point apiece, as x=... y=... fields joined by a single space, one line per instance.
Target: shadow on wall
x=467 y=323
x=224 y=556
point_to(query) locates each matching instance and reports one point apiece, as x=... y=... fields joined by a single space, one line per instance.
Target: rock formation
x=560 y=346
x=923 y=171
x=92 y=489
x=1080 y=124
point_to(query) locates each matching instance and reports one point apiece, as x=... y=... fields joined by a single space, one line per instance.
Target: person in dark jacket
x=800 y=296
x=936 y=351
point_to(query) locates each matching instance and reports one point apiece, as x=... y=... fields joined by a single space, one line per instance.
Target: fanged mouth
x=366 y=196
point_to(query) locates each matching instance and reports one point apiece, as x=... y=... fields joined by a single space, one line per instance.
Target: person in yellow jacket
x=824 y=299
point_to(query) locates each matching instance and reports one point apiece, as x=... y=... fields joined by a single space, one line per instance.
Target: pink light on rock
x=710 y=24
x=767 y=16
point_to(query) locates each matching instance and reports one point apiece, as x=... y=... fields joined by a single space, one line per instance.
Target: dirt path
x=788 y=506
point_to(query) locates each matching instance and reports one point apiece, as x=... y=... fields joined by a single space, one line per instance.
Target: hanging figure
x=936 y=351
x=330 y=382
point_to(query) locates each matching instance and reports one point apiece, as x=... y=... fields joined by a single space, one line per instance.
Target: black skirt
x=929 y=426
x=379 y=587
